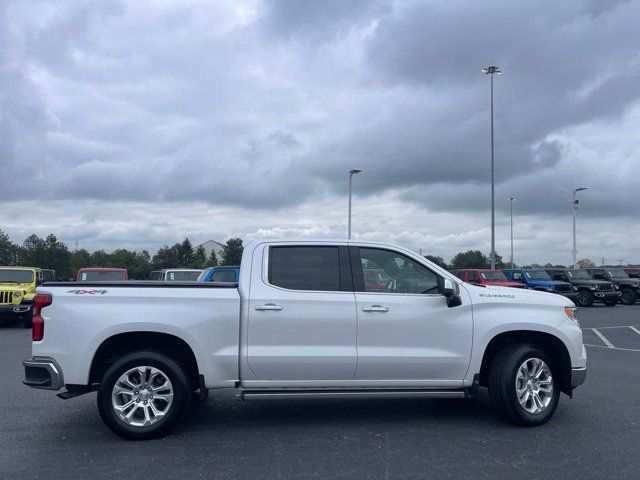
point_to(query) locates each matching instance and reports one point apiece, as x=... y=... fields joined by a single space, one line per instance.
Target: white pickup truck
x=309 y=319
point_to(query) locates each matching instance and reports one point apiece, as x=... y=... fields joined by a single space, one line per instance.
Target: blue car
x=539 y=279
x=220 y=274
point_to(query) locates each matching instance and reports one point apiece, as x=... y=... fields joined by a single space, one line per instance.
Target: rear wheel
x=522 y=385
x=584 y=299
x=629 y=297
x=143 y=395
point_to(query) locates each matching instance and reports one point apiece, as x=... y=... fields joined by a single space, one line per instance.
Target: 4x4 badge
x=87 y=292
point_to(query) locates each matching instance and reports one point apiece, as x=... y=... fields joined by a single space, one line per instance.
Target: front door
x=302 y=319
x=406 y=332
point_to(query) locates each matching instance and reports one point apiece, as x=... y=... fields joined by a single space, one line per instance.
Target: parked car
x=589 y=290
x=487 y=277
x=220 y=274
x=629 y=287
x=100 y=274
x=47 y=275
x=302 y=322
x=539 y=279
x=176 y=275
x=17 y=289
x=632 y=272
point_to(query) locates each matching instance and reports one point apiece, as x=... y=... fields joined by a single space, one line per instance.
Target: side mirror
x=451 y=291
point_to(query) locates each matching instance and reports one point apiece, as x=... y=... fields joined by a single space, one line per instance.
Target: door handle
x=268 y=306
x=375 y=308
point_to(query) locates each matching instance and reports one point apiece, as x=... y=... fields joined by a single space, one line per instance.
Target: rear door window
x=305 y=268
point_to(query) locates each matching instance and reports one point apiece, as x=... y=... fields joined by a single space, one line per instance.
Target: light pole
x=512 y=200
x=491 y=70
x=352 y=172
x=574 y=205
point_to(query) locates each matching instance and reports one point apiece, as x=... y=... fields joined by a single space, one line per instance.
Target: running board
x=369 y=393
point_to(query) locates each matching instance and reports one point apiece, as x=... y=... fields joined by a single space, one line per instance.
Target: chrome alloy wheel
x=534 y=385
x=142 y=396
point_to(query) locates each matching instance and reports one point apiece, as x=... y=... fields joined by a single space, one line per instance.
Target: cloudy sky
x=136 y=124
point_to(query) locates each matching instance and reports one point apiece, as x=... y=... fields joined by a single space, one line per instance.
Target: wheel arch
x=550 y=344
x=120 y=344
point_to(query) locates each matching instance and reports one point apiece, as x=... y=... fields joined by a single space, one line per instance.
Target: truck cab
x=629 y=287
x=227 y=273
x=17 y=289
x=487 y=277
x=539 y=279
x=176 y=275
x=589 y=290
x=98 y=274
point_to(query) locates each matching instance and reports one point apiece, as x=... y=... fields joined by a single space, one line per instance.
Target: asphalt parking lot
x=595 y=435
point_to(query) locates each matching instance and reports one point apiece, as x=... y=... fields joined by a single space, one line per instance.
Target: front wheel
x=584 y=299
x=143 y=395
x=522 y=385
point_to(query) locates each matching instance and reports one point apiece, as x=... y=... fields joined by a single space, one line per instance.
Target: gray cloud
x=264 y=106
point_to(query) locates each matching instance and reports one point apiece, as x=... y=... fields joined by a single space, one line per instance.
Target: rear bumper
x=43 y=373
x=578 y=376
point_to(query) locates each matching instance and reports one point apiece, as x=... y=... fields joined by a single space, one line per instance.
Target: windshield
x=617 y=273
x=102 y=276
x=537 y=275
x=16 y=276
x=183 y=275
x=495 y=275
x=579 y=275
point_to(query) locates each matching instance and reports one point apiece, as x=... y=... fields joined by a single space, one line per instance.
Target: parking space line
x=613 y=348
x=634 y=329
x=603 y=338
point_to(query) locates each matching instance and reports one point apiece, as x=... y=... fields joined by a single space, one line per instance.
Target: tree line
x=476 y=259
x=50 y=253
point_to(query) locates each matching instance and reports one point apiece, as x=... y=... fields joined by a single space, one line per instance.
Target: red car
x=632 y=272
x=99 y=274
x=486 y=277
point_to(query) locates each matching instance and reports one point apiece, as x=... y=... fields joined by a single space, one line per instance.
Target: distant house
x=211 y=245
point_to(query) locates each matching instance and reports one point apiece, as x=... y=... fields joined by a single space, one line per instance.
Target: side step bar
x=369 y=393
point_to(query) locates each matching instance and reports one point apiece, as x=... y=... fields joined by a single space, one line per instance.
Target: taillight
x=40 y=301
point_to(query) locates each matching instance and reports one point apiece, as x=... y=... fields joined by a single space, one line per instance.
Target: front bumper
x=42 y=372
x=15 y=308
x=578 y=376
x=570 y=295
x=606 y=295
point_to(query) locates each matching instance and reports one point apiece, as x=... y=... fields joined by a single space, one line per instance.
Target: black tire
x=628 y=297
x=27 y=319
x=611 y=302
x=179 y=406
x=584 y=299
x=502 y=385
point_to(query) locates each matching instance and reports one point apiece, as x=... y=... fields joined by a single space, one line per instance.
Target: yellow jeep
x=17 y=289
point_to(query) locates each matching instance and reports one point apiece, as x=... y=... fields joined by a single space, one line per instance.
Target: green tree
x=46 y=253
x=199 y=258
x=212 y=261
x=8 y=250
x=166 y=257
x=184 y=253
x=437 y=260
x=232 y=252
x=586 y=263
x=470 y=259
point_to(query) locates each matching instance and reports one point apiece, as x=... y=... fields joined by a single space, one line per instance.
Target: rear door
x=406 y=332
x=302 y=321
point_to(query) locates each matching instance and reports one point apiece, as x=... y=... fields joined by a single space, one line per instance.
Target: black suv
x=589 y=290
x=629 y=287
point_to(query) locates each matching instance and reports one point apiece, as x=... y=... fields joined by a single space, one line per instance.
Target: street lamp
x=352 y=172
x=491 y=70
x=512 y=200
x=574 y=205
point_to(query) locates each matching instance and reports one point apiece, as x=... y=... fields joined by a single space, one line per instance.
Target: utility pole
x=491 y=71
x=574 y=206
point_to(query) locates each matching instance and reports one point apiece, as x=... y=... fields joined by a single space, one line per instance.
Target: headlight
x=593 y=288
x=572 y=313
x=16 y=294
x=575 y=289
